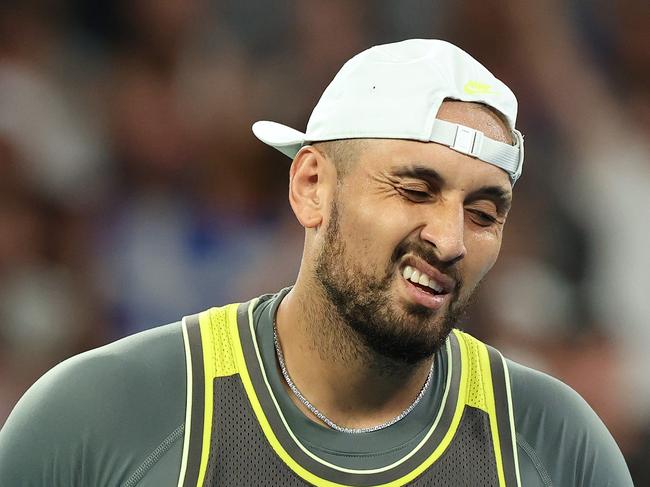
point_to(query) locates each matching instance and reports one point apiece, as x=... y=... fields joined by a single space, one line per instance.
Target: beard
x=406 y=333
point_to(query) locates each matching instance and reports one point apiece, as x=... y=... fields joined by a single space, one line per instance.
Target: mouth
x=423 y=281
x=429 y=289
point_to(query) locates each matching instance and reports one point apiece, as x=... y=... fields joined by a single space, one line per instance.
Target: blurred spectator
x=60 y=142
x=47 y=308
x=607 y=184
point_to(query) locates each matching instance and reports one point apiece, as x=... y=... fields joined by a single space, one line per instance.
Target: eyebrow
x=498 y=194
x=419 y=172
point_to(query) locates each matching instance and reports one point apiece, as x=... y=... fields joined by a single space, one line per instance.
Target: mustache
x=424 y=252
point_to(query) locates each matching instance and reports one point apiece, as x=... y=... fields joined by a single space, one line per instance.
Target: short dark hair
x=342 y=152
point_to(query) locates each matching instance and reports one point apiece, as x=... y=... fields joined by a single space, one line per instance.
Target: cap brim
x=283 y=138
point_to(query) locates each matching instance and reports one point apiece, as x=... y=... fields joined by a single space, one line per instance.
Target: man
x=354 y=376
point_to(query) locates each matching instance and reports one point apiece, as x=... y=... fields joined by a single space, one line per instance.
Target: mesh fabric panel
x=469 y=461
x=224 y=359
x=475 y=389
x=239 y=452
x=241 y=456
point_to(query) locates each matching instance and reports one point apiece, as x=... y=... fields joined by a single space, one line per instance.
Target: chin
x=411 y=341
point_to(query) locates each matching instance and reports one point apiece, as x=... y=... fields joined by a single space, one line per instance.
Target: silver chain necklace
x=325 y=419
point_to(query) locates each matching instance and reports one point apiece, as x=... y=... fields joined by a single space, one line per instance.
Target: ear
x=311 y=182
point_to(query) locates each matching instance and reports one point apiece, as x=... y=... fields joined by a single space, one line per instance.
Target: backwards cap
x=394 y=91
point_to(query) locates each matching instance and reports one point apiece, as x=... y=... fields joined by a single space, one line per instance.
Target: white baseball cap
x=395 y=91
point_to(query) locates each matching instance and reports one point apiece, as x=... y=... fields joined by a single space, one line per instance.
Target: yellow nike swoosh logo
x=476 y=88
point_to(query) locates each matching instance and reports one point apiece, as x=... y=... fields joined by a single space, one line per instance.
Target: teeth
x=415 y=277
x=432 y=285
x=408 y=272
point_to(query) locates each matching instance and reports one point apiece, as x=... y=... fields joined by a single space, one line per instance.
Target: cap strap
x=474 y=143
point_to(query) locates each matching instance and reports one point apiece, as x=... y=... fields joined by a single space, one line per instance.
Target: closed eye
x=482 y=219
x=415 y=195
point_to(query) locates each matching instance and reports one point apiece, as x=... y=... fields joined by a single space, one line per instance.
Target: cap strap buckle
x=475 y=143
x=468 y=141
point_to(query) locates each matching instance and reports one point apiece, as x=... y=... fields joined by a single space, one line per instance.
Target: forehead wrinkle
x=440 y=167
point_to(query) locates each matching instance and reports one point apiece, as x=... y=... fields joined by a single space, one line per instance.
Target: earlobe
x=306 y=182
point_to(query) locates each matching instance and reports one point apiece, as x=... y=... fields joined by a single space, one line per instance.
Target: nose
x=445 y=229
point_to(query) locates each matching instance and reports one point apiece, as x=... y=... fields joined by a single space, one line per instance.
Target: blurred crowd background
x=132 y=190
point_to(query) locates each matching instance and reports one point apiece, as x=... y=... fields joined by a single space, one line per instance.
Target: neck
x=352 y=385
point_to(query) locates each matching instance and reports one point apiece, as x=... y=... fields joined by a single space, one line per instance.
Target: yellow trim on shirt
x=224 y=356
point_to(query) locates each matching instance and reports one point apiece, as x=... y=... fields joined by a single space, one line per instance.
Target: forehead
x=454 y=167
x=454 y=170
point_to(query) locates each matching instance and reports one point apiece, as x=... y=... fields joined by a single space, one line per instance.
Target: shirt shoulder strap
x=208 y=338
x=488 y=389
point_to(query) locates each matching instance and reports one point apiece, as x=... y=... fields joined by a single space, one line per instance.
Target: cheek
x=373 y=231
x=482 y=252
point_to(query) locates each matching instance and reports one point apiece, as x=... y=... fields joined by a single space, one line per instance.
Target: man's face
x=404 y=210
